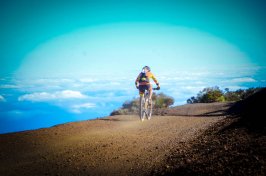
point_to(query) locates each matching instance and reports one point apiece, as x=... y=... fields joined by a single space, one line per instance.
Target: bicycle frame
x=145 y=106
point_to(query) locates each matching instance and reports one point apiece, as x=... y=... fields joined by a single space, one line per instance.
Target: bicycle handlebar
x=157 y=88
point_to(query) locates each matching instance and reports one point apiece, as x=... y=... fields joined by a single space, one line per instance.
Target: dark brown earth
x=226 y=148
x=235 y=145
x=118 y=145
x=198 y=139
x=198 y=109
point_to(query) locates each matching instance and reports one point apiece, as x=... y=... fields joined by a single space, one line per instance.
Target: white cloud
x=233 y=88
x=53 y=81
x=244 y=79
x=79 y=107
x=2 y=99
x=84 y=105
x=8 y=86
x=87 y=80
x=44 y=96
x=70 y=94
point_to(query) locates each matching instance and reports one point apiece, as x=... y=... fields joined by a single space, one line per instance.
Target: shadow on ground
x=234 y=146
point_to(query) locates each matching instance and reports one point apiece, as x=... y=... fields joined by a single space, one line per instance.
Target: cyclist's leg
x=150 y=91
x=141 y=90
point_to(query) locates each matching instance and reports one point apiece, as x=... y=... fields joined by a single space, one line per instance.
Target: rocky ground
x=198 y=139
x=235 y=145
x=226 y=148
x=117 y=145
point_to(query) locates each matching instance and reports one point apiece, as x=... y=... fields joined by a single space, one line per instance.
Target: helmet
x=147 y=67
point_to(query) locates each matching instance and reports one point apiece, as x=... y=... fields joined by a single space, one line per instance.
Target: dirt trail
x=118 y=145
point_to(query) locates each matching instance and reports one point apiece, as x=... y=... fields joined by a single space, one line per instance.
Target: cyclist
x=143 y=82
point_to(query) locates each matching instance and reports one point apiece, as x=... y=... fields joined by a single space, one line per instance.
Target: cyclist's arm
x=155 y=80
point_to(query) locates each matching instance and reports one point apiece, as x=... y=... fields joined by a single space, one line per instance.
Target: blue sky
x=72 y=60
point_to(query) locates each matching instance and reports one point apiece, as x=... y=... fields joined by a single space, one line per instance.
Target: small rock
x=188 y=161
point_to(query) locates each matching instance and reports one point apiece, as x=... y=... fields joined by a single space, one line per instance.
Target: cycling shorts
x=142 y=88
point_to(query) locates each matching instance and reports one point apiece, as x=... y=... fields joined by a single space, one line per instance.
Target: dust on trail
x=117 y=145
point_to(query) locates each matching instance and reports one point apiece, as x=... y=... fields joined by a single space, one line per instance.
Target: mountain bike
x=145 y=108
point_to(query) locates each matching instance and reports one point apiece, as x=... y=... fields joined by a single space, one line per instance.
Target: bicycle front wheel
x=141 y=107
x=149 y=111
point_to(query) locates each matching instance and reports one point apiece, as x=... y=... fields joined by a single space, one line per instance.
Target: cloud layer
x=44 y=96
x=24 y=101
x=77 y=108
x=243 y=80
x=2 y=99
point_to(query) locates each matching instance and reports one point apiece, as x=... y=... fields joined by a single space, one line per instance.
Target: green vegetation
x=132 y=107
x=207 y=95
x=215 y=94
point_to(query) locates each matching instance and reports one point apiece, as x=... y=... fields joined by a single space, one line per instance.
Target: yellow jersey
x=145 y=80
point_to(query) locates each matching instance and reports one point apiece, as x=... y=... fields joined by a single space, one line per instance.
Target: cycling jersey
x=148 y=75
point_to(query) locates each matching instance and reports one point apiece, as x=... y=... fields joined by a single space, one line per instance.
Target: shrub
x=208 y=95
x=132 y=107
x=215 y=94
x=163 y=101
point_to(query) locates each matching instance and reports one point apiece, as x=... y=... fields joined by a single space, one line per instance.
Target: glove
x=158 y=86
